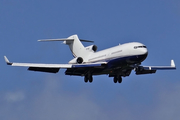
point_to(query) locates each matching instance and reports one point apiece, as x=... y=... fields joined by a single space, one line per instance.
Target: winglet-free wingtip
x=172 y=63
x=7 y=61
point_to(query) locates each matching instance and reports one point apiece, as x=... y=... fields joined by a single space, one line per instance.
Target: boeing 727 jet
x=116 y=62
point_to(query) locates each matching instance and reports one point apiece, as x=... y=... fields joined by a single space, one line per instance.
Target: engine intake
x=76 y=60
x=92 y=48
x=79 y=60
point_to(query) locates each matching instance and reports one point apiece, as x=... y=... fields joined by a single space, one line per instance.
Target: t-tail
x=75 y=45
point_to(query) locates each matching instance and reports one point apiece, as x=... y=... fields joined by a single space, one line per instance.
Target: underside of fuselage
x=121 y=66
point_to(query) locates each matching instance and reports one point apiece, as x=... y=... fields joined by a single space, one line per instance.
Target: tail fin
x=75 y=45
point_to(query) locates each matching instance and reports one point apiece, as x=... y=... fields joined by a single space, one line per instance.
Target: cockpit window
x=135 y=47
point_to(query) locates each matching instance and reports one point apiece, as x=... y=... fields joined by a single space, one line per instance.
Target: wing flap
x=99 y=64
x=145 y=72
x=43 y=69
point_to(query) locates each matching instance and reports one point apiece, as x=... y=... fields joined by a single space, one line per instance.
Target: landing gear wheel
x=85 y=79
x=120 y=79
x=90 y=79
x=115 y=79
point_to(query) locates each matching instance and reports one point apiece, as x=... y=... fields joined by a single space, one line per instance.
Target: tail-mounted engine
x=92 y=48
x=77 y=60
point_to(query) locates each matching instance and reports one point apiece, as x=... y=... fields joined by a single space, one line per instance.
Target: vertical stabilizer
x=76 y=47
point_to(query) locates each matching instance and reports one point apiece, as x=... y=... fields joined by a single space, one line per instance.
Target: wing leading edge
x=52 y=68
x=161 y=67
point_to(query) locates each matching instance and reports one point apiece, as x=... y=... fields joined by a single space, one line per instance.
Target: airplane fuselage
x=119 y=59
x=129 y=53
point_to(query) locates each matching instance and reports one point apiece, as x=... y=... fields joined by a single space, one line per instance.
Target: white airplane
x=116 y=62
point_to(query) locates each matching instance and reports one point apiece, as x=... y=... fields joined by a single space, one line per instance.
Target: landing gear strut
x=88 y=78
x=117 y=79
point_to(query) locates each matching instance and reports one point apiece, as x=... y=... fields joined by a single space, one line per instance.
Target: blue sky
x=43 y=96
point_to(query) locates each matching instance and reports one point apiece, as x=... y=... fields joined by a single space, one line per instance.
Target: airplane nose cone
x=145 y=54
x=144 y=51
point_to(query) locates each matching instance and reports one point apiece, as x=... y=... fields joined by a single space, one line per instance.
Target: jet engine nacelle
x=77 y=60
x=91 y=48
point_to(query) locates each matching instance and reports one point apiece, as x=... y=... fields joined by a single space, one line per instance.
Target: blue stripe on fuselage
x=120 y=61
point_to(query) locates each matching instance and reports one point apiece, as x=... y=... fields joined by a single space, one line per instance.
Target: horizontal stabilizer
x=63 y=39
x=86 y=40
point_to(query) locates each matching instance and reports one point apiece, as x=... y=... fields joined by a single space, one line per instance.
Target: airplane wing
x=152 y=69
x=161 y=67
x=52 y=68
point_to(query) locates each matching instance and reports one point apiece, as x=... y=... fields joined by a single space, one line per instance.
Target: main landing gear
x=117 y=79
x=88 y=78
